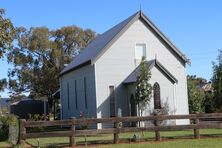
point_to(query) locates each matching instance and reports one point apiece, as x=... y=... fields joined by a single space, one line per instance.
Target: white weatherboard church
x=100 y=81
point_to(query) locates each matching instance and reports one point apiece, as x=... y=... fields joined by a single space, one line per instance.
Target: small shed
x=25 y=107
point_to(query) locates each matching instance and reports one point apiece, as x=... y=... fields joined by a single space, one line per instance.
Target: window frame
x=114 y=100
x=157 y=96
x=85 y=93
x=76 y=97
x=68 y=97
x=144 y=52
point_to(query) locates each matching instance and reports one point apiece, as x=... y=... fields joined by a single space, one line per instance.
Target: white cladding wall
x=78 y=75
x=118 y=62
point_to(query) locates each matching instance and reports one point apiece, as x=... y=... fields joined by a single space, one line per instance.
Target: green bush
x=5 y=122
x=37 y=117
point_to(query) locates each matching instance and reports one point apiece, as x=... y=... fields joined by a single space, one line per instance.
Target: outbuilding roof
x=101 y=43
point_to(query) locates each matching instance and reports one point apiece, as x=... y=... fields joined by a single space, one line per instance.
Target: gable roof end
x=132 y=78
x=102 y=42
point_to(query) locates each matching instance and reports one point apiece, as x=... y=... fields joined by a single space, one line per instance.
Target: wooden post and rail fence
x=195 y=125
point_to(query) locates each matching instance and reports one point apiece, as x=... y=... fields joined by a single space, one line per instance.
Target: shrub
x=83 y=115
x=164 y=110
x=7 y=121
x=37 y=117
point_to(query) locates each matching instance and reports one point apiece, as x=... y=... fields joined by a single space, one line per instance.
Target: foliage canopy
x=39 y=57
x=217 y=82
x=7 y=33
x=196 y=96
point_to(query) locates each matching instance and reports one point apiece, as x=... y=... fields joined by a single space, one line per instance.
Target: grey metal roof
x=98 y=46
x=150 y=64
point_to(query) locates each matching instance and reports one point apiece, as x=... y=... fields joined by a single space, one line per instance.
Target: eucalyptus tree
x=39 y=57
x=7 y=34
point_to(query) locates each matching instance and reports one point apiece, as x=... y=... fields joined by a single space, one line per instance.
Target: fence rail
x=117 y=129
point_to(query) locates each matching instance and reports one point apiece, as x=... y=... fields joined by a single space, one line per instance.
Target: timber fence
x=74 y=132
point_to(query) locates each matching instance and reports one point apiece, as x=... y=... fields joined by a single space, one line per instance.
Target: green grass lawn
x=184 y=143
x=209 y=138
x=5 y=144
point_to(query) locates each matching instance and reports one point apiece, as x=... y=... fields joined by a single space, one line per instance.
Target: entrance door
x=133 y=110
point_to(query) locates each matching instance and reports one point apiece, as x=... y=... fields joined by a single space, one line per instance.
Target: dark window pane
x=156 y=95
x=112 y=101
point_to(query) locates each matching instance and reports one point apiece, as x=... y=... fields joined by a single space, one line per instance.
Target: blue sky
x=194 y=26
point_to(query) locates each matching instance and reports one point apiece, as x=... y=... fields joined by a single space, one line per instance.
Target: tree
x=39 y=57
x=143 y=87
x=196 y=96
x=7 y=33
x=209 y=102
x=3 y=83
x=217 y=82
x=30 y=58
x=69 y=41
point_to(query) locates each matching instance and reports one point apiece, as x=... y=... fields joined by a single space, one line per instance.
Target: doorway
x=133 y=111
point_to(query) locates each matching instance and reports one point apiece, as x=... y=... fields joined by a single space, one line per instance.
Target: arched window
x=156 y=96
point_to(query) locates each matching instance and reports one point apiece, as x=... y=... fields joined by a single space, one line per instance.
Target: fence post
x=196 y=130
x=22 y=131
x=72 y=141
x=157 y=132
x=116 y=134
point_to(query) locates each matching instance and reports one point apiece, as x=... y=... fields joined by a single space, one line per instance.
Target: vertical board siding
x=79 y=95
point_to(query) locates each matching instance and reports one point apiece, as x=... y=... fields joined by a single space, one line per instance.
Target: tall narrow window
x=85 y=93
x=156 y=95
x=140 y=51
x=68 y=95
x=76 y=99
x=112 y=101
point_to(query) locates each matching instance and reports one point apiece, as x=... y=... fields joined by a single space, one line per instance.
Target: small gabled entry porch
x=163 y=83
